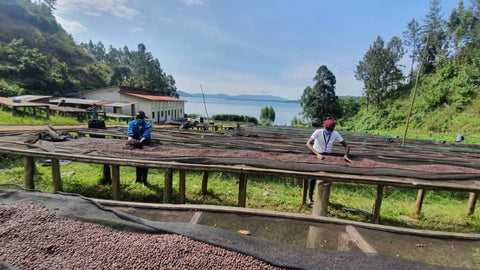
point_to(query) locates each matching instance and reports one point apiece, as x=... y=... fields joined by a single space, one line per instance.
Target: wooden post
x=471 y=203
x=167 y=190
x=321 y=198
x=204 y=182
x=378 y=204
x=181 y=187
x=116 y=182
x=107 y=177
x=57 y=179
x=304 y=190
x=418 y=204
x=29 y=172
x=295 y=181
x=242 y=190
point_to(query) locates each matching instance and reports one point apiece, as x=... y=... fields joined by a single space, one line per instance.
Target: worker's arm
x=309 y=145
x=146 y=132
x=347 y=151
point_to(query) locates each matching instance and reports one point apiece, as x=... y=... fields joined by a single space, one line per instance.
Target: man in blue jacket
x=139 y=129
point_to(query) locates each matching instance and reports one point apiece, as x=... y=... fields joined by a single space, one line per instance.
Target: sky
x=267 y=47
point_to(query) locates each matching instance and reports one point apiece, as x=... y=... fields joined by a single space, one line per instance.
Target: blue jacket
x=138 y=129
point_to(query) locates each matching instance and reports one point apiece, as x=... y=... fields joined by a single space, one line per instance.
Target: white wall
x=163 y=110
x=110 y=94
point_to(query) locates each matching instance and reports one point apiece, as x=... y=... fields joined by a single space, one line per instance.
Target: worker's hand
x=142 y=140
x=347 y=159
x=130 y=138
x=320 y=156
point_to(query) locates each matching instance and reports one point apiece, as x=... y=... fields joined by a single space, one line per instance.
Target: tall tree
x=379 y=70
x=413 y=38
x=50 y=4
x=435 y=33
x=134 y=68
x=267 y=115
x=321 y=101
x=464 y=29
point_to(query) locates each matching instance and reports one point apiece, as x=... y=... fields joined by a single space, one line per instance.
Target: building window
x=168 y=112
x=153 y=115
x=162 y=113
x=180 y=110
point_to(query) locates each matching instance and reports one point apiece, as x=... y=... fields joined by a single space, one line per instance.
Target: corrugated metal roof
x=152 y=97
x=117 y=104
x=114 y=103
x=75 y=101
x=31 y=97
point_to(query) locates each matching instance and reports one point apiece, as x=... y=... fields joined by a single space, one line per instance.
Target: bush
x=235 y=118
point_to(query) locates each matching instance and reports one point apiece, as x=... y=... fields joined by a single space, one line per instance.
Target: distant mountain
x=240 y=97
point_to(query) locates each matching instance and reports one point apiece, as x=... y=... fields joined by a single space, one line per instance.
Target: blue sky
x=246 y=46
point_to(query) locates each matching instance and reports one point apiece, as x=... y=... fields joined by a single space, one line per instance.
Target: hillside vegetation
x=37 y=56
x=443 y=84
x=445 y=102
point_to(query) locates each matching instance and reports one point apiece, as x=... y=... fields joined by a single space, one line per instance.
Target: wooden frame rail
x=322 y=194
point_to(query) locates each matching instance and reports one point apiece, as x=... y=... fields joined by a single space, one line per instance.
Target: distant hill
x=239 y=97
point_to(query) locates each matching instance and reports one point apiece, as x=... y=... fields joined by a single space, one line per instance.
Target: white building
x=128 y=100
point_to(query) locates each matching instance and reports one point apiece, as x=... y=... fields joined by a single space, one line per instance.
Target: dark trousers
x=142 y=173
x=311 y=187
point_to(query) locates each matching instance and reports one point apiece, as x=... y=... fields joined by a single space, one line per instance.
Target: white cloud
x=95 y=14
x=71 y=26
x=116 y=8
x=193 y=2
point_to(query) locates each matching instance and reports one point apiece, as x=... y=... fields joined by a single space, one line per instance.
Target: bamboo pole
x=181 y=187
x=57 y=179
x=414 y=91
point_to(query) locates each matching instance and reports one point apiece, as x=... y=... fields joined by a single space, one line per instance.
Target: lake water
x=284 y=111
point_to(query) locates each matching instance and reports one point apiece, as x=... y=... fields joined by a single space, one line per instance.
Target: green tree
x=413 y=38
x=379 y=70
x=50 y=4
x=134 y=68
x=350 y=107
x=464 y=29
x=435 y=34
x=321 y=101
x=267 y=115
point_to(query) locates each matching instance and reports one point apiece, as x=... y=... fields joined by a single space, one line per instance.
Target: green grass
x=27 y=118
x=443 y=211
x=40 y=118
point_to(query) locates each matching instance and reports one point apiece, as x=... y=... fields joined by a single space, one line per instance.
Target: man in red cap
x=322 y=140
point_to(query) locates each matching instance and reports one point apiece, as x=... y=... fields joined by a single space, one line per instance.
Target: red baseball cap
x=329 y=124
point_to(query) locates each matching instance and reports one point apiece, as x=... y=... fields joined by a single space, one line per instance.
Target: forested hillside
x=37 y=56
x=445 y=60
